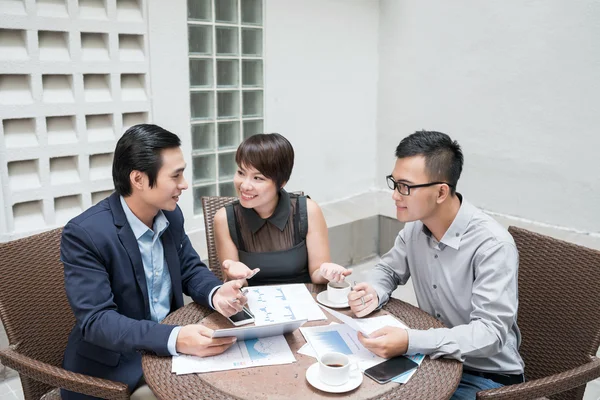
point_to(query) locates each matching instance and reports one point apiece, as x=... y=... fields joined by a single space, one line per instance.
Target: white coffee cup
x=337 y=292
x=335 y=369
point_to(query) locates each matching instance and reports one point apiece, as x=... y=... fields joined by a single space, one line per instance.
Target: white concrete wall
x=168 y=46
x=321 y=67
x=321 y=82
x=320 y=90
x=517 y=83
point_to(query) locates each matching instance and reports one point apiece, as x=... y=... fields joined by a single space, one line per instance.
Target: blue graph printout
x=260 y=348
x=339 y=338
x=332 y=341
x=243 y=354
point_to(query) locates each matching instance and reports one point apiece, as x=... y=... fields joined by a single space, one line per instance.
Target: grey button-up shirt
x=468 y=280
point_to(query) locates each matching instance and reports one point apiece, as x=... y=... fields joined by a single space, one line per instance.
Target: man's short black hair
x=139 y=149
x=443 y=156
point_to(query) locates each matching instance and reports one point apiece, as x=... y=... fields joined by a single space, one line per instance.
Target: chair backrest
x=210 y=206
x=33 y=303
x=559 y=305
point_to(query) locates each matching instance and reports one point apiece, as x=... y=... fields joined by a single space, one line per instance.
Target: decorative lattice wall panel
x=73 y=77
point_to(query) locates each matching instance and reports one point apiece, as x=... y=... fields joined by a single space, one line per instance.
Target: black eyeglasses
x=404 y=189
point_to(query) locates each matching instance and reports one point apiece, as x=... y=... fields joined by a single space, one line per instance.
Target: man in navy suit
x=127 y=262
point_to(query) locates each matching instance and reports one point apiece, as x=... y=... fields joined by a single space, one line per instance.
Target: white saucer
x=322 y=298
x=312 y=376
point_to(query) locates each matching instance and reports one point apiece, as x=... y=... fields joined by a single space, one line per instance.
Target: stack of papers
x=340 y=338
x=272 y=350
x=343 y=338
x=283 y=303
x=269 y=304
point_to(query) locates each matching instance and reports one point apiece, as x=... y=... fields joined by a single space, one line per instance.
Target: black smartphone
x=389 y=369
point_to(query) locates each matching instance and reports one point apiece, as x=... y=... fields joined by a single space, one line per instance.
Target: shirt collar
x=458 y=227
x=279 y=218
x=138 y=227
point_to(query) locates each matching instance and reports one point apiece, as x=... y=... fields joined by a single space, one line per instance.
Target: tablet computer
x=254 y=332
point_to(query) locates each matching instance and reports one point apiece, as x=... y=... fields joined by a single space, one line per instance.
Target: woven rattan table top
x=435 y=379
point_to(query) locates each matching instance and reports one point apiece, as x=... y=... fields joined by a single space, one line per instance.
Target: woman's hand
x=333 y=272
x=238 y=270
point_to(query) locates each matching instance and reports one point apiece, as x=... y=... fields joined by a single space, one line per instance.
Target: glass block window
x=226 y=88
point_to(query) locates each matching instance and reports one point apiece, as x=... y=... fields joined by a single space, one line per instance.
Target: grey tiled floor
x=11 y=389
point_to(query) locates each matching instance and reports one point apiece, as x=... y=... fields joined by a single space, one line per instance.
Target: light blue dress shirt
x=158 y=279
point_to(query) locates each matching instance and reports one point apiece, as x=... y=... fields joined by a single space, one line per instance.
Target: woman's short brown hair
x=270 y=154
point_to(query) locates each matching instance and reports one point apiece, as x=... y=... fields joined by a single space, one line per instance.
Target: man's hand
x=333 y=272
x=228 y=299
x=386 y=342
x=363 y=299
x=238 y=270
x=196 y=340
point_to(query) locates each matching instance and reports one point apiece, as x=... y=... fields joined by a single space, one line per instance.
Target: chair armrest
x=59 y=377
x=548 y=385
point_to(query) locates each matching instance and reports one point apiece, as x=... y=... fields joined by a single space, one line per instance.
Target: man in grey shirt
x=464 y=269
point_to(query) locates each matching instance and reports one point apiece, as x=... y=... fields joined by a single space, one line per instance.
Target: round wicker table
x=435 y=379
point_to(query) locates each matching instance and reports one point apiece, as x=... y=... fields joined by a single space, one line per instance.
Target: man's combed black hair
x=139 y=149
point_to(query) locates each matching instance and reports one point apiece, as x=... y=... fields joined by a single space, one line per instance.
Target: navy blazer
x=106 y=287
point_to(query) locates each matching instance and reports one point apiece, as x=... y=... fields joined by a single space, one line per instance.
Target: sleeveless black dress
x=276 y=245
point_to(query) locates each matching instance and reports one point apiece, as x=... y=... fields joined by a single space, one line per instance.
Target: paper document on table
x=367 y=325
x=339 y=338
x=272 y=350
x=281 y=303
x=307 y=350
x=403 y=378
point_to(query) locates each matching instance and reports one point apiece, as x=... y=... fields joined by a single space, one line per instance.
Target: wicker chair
x=210 y=206
x=559 y=318
x=37 y=317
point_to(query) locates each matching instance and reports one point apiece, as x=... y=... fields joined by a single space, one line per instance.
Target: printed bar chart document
x=281 y=303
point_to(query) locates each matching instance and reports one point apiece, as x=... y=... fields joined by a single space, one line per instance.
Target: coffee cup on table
x=337 y=292
x=335 y=369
